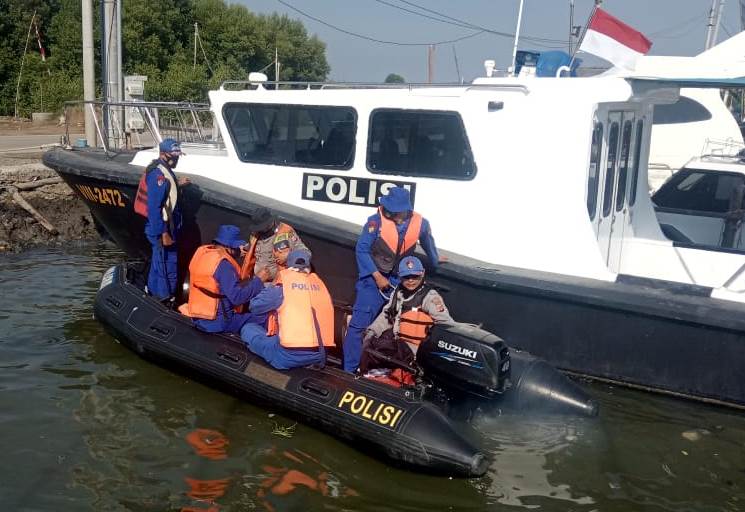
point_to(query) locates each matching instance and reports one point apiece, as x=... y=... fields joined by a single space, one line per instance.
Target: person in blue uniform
x=160 y=199
x=388 y=236
x=216 y=289
x=301 y=322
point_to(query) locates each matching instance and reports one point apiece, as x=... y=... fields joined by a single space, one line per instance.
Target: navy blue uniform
x=235 y=293
x=369 y=299
x=269 y=347
x=161 y=281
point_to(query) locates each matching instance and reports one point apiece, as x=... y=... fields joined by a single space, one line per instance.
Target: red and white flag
x=42 y=52
x=613 y=40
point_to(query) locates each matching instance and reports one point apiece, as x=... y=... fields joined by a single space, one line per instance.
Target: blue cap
x=410 y=266
x=299 y=259
x=171 y=146
x=229 y=236
x=397 y=200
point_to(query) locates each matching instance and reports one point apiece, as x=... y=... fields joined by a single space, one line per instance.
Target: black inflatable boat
x=457 y=365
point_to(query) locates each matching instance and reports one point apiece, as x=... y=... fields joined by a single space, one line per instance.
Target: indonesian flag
x=42 y=52
x=613 y=40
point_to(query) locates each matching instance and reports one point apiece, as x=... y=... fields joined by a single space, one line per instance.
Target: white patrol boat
x=536 y=189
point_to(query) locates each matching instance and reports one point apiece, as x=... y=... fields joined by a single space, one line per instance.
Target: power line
x=374 y=40
x=559 y=44
x=659 y=33
x=468 y=24
x=422 y=14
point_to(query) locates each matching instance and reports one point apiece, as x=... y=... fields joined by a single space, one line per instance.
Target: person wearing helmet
x=301 y=317
x=406 y=319
x=216 y=290
x=157 y=201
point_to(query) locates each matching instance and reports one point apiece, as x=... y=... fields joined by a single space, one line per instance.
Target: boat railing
x=141 y=124
x=724 y=148
x=289 y=85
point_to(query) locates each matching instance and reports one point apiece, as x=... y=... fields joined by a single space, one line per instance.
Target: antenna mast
x=712 y=27
x=517 y=36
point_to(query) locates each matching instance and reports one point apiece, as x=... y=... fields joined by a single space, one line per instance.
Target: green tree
x=157 y=41
x=393 y=78
x=15 y=18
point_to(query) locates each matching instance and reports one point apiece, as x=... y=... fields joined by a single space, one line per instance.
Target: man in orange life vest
x=301 y=323
x=388 y=236
x=405 y=320
x=216 y=288
x=157 y=201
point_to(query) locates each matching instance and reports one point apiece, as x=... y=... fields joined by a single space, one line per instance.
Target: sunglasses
x=390 y=215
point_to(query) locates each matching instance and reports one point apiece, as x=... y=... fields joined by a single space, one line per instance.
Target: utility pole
x=712 y=27
x=571 y=25
x=430 y=63
x=89 y=75
x=517 y=37
x=276 y=67
x=196 y=34
x=111 y=62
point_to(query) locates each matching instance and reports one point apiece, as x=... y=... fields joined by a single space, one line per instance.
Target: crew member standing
x=301 y=324
x=388 y=236
x=157 y=201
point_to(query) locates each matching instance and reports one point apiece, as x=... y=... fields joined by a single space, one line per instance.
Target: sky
x=675 y=27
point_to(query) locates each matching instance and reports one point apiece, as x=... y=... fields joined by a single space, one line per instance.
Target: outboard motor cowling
x=465 y=358
x=537 y=386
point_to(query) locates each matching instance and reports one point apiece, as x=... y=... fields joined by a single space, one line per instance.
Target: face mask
x=173 y=161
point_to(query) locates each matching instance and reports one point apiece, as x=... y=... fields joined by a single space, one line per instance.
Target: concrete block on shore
x=41 y=117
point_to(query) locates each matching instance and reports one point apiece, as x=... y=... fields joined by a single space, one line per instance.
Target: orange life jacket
x=141 y=197
x=414 y=326
x=204 y=291
x=306 y=313
x=388 y=249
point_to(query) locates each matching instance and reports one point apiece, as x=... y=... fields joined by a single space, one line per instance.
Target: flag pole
x=582 y=36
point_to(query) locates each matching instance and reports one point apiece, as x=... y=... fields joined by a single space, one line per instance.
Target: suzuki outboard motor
x=537 y=386
x=463 y=359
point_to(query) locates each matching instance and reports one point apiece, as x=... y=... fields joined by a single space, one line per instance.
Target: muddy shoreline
x=64 y=212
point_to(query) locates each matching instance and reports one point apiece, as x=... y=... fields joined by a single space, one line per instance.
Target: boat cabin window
x=295 y=135
x=701 y=191
x=431 y=144
x=623 y=166
x=610 y=168
x=637 y=153
x=592 y=179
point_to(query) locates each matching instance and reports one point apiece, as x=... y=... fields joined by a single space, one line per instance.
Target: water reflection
x=527 y=455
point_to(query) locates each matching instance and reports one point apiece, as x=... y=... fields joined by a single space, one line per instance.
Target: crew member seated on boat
x=265 y=234
x=406 y=319
x=281 y=248
x=157 y=201
x=301 y=321
x=215 y=288
x=387 y=236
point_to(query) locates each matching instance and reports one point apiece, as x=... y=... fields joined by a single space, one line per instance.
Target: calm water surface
x=87 y=425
